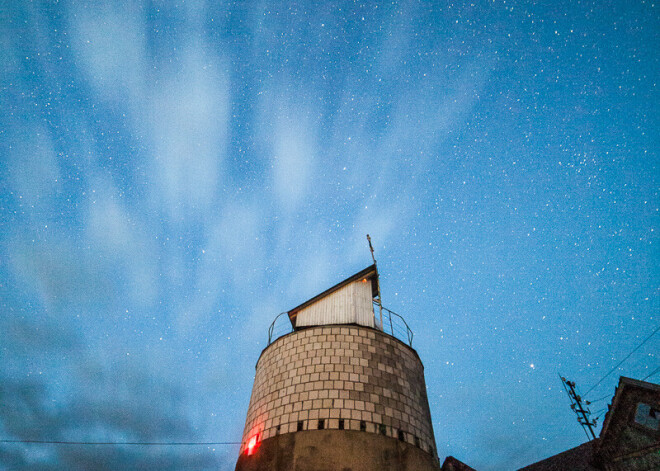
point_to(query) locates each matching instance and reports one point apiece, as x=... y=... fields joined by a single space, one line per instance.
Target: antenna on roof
x=377 y=299
x=371 y=248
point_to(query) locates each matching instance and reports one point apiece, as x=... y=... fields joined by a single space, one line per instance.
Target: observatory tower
x=342 y=391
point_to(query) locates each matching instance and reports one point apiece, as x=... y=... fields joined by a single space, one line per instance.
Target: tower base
x=336 y=450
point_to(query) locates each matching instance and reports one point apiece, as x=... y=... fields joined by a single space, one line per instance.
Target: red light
x=252 y=445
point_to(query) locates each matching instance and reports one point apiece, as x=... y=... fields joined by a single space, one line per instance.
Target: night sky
x=174 y=175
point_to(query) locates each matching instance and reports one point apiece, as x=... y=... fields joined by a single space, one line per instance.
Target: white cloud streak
x=293 y=161
x=110 y=45
x=189 y=115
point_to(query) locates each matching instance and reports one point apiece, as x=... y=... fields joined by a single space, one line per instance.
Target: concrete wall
x=334 y=450
x=344 y=375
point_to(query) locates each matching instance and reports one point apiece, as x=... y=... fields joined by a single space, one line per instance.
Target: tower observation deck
x=339 y=391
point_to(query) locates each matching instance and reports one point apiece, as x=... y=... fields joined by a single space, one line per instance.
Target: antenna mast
x=377 y=299
x=576 y=404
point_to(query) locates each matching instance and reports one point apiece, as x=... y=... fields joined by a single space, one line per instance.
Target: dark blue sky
x=173 y=175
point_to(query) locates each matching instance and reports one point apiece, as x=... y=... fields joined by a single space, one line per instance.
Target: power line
x=59 y=442
x=652 y=373
x=597 y=413
x=599 y=399
x=627 y=356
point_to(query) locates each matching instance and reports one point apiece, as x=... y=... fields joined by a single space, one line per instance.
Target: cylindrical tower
x=338 y=393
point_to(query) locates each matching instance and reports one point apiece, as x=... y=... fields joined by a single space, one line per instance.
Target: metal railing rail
x=280 y=331
x=396 y=324
x=393 y=324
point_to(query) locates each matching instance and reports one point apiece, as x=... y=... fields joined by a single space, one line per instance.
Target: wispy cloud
x=189 y=115
x=294 y=157
x=110 y=46
x=162 y=258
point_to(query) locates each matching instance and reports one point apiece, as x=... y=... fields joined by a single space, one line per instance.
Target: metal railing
x=276 y=330
x=393 y=324
x=398 y=327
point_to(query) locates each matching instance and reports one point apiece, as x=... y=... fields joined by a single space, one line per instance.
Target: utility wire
x=627 y=356
x=597 y=414
x=599 y=399
x=652 y=373
x=58 y=442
